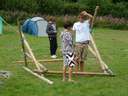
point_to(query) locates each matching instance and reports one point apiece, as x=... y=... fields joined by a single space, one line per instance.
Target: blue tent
x=35 y=26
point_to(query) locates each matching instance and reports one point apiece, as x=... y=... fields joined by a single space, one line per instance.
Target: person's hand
x=84 y=12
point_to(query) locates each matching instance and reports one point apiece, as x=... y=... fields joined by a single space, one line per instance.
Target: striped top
x=67 y=42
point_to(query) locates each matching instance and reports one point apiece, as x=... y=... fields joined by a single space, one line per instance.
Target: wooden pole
x=98 y=55
x=94 y=17
x=39 y=76
x=82 y=73
x=29 y=50
x=23 y=47
x=38 y=65
x=92 y=51
x=46 y=60
x=92 y=41
x=102 y=63
x=28 y=55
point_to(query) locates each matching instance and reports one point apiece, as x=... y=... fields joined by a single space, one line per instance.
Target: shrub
x=111 y=22
x=91 y=4
x=119 y=10
x=71 y=8
x=52 y=7
x=30 y=6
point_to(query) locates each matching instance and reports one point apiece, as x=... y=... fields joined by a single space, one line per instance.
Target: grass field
x=113 y=45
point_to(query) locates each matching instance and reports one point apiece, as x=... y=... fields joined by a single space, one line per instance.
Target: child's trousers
x=53 y=45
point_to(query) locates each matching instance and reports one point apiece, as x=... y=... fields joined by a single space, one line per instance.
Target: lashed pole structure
x=29 y=54
x=42 y=70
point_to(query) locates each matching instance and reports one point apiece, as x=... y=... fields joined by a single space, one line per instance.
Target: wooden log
x=46 y=60
x=82 y=73
x=51 y=60
x=39 y=76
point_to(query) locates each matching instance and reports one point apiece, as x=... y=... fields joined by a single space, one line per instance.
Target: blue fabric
x=25 y=26
x=30 y=27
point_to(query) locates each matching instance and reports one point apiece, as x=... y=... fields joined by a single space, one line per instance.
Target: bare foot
x=64 y=80
x=70 y=80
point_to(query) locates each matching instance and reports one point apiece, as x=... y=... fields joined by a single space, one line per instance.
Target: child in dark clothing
x=52 y=35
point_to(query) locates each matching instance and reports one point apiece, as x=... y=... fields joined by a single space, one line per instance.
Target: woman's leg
x=64 y=73
x=84 y=53
x=54 y=45
x=50 y=41
x=78 y=54
x=70 y=74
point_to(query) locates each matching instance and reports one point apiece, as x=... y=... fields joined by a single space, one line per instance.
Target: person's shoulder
x=66 y=33
x=86 y=21
x=77 y=23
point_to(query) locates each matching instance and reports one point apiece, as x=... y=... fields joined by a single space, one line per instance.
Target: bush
x=71 y=8
x=53 y=7
x=106 y=7
x=30 y=6
x=119 y=10
x=11 y=17
x=60 y=20
x=91 y=4
x=60 y=7
x=12 y=10
x=102 y=21
x=111 y=22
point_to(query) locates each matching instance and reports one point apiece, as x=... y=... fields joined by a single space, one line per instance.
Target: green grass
x=113 y=45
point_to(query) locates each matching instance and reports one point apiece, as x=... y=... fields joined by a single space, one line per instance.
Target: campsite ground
x=113 y=45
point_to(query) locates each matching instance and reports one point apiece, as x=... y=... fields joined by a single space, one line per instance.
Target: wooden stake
x=23 y=47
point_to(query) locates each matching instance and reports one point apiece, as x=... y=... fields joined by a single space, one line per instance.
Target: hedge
x=60 y=7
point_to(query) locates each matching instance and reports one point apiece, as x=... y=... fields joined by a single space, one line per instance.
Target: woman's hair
x=68 y=24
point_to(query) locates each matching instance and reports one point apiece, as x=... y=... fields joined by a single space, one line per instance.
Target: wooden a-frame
x=29 y=54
